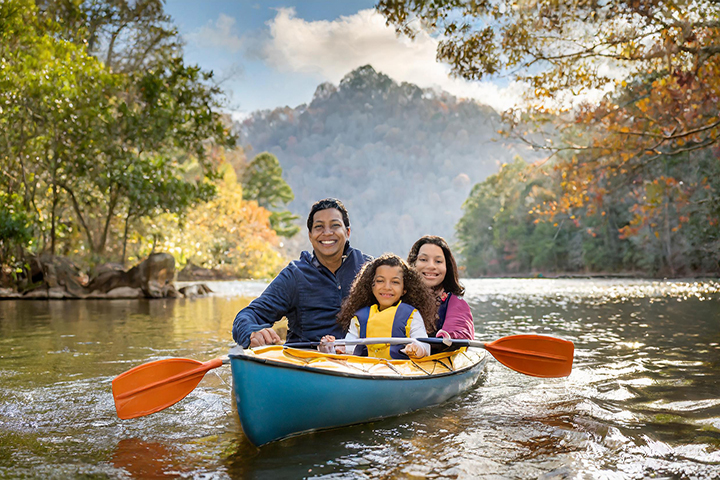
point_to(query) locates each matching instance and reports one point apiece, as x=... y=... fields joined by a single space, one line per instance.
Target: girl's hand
x=414 y=350
x=327 y=345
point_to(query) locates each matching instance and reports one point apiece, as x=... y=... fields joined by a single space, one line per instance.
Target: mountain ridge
x=403 y=159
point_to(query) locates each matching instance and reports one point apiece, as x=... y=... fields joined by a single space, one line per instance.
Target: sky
x=268 y=54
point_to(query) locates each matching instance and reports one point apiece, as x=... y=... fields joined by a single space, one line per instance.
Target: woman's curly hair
x=361 y=295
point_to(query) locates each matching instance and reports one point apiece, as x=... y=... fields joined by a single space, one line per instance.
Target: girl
x=433 y=260
x=387 y=299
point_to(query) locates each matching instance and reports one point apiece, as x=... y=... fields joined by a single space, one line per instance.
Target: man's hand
x=266 y=336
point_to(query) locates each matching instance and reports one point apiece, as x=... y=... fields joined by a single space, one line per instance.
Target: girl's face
x=388 y=286
x=430 y=264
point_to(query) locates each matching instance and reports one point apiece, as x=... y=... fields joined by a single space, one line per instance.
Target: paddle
x=154 y=386
x=534 y=355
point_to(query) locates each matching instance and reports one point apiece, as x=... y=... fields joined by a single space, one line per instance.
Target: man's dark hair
x=324 y=204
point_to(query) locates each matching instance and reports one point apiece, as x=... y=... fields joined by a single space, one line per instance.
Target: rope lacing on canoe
x=348 y=364
x=390 y=366
x=450 y=367
x=419 y=367
x=304 y=360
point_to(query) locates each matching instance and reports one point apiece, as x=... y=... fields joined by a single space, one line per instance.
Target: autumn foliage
x=623 y=97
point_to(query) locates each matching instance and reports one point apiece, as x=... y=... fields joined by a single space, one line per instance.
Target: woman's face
x=388 y=286
x=430 y=264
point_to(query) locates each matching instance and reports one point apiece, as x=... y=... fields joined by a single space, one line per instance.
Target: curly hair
x=361 y=295
x=450 y=283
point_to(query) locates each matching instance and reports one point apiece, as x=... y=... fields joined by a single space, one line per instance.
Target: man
x=308 y=291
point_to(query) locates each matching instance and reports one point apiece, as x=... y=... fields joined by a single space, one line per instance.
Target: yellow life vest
x=394 y=321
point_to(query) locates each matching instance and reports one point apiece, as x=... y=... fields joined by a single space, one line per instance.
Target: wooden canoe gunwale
x=310 y=369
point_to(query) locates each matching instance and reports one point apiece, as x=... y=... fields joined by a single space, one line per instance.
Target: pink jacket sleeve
x=458 y=320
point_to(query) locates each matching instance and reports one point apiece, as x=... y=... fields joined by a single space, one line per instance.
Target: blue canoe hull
x=276 y=400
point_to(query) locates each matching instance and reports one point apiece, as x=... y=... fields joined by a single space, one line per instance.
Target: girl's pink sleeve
x=458 y=320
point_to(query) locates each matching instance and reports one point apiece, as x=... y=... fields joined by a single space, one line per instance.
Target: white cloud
x=218 y=34
x=331 y=49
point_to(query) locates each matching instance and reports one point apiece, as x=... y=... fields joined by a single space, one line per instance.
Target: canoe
x=281 y=392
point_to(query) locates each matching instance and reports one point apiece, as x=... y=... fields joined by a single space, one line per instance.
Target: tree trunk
x=114 y=195
x=78 y=212
x=125 y=235
x=53 y=218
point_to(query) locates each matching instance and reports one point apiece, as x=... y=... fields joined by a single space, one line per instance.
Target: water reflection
x=643 y=399
x=149 y=460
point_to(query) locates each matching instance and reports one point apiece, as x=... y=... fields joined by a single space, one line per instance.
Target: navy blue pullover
x=305 y=292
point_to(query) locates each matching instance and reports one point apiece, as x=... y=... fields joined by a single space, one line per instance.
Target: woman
x=433 y=260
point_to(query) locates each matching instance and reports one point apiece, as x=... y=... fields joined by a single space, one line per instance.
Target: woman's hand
x=447 y=339
x=414 y=350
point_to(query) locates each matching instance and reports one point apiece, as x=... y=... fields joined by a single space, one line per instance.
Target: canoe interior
x=281 y=392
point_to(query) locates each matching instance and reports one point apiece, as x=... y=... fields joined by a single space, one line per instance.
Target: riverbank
x=49 y=277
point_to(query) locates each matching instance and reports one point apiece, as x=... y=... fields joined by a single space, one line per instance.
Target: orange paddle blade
x=535 y=355
x=154 y=386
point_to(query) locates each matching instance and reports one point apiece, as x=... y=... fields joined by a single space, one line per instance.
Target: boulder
x=197 y=290
x=153 y=276
x=53 y=277
x=9 y=293
x=193 y=272
x=124 y=292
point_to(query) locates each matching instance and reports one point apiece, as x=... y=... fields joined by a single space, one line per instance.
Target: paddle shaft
x=390 y=341
x=535 y=355
x=154 y=386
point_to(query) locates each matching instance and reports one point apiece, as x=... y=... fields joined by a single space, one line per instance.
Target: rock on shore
x=53 y=277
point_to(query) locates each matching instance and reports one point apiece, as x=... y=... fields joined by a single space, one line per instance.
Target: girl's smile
x=388 y=286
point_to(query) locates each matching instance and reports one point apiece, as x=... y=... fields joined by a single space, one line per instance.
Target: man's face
x=328 y=234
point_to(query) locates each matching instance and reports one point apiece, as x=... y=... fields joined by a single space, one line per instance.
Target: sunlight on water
x=642 y=402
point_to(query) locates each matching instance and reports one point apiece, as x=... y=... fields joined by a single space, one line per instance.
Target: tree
x=664 y=55
x=654 y=65
x=262 y=182
x=110 y=134
x=228 y=233
x=14 y=230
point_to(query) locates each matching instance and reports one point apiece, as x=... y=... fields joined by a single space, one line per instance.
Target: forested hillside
x=113 y=147
x=402 y=158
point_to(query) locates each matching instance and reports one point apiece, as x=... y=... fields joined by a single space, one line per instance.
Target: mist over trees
x=403 y=159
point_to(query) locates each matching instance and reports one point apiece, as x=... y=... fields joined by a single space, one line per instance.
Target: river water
x=643 y=400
